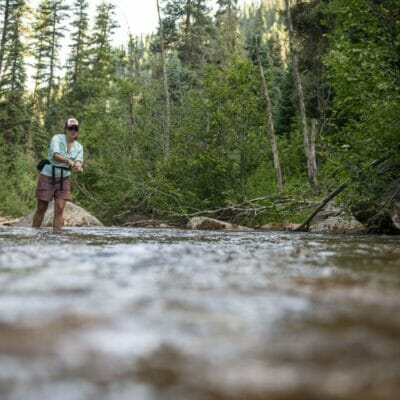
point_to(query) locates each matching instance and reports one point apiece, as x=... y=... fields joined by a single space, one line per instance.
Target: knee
x=58 y=209
x=42 y=208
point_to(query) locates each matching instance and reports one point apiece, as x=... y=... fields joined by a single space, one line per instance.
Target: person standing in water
x=65 y=155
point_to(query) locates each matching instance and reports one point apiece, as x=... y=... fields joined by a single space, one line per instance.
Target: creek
x=143 y=314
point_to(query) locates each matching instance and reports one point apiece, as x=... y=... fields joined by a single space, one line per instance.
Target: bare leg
x=39 y=214
x=58 y=221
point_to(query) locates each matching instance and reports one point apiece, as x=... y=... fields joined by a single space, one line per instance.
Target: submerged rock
x=73 y=216
x=213 y=224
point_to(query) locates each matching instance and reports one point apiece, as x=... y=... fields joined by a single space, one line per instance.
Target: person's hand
x=77 y=168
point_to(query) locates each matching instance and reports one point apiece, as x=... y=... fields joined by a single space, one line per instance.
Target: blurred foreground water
x=143 y=314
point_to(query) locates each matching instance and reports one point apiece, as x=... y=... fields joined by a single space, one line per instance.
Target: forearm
x=59 y=158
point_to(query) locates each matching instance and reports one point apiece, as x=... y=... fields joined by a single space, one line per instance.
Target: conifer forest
x=249 y=113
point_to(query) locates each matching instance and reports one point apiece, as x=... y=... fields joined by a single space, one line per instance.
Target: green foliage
x=18 y=178
x=363 y=66
x=219 y=150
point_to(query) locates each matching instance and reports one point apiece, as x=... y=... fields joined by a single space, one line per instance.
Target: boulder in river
x=338 y=224
x=73 y=216
x=206 y=223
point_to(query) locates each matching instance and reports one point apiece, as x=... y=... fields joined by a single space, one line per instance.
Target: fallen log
x=305 y=225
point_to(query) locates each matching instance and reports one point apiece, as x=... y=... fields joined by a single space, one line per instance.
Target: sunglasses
x=73 y=128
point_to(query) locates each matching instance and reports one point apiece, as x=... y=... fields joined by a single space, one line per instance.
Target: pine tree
x=74 y=91
x=12 y=103
x=194 y=26
x=98 y=78
x=48 y=32
x=101 y=50
x=78 y=59
x=4 y=30
x=227 y=41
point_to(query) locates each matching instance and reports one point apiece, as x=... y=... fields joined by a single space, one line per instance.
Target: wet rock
x=213 y=224
x=73 y=216
x=338 y=224
x=330 y=210
x=272 y=226
x=165 y=226
x=147 y=223
x=279 y=226
x=290 y=226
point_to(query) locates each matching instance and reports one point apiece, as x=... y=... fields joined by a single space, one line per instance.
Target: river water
x=143 y=314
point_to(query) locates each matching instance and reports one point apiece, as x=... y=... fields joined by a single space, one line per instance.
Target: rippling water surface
x=144 y=314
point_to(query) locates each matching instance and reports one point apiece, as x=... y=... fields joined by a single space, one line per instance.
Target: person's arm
x=55 y=149
x=59 y=158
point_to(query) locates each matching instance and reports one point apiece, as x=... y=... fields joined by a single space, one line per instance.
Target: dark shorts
x=48 y=190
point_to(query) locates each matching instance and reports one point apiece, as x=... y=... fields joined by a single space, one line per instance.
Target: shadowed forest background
x=206 y=115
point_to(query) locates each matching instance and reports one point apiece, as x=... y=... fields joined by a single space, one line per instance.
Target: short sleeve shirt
x=58 y=144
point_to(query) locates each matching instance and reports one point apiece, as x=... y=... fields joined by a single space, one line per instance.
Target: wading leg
x=58 y=221
x=39 y=214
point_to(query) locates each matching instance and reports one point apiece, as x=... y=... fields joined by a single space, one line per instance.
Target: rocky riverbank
x=330 y=220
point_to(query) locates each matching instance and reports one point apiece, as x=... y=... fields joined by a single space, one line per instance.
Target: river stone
x=206 y=223
x=330 y=210
x=73 y=216
x=279 y=226
x=338 y=224
x=290 y=226
x=395 y=214
x=272 y=226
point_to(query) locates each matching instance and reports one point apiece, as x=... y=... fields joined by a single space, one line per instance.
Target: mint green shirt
x=58 y=144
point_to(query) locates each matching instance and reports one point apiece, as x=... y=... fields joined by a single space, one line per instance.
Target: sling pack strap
x=53 y=174
x=42 y=163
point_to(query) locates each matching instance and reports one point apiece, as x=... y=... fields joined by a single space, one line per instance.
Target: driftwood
x=305 y=225
x=8 y=221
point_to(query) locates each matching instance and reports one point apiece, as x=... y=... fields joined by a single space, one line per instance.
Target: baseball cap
x=72 y=122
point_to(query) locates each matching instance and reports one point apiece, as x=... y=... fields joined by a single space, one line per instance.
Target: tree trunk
x=271 y=127
x=296 y=74
x=186 y=45
x=52 y=57
x=4 y=34
x=167 y=126
x=313 y=158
